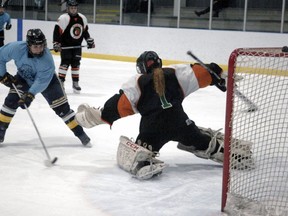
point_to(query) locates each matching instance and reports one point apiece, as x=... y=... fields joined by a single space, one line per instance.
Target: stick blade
x=49 y=163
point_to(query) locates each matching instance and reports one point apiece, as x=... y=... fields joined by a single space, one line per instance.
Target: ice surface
x=87 y=181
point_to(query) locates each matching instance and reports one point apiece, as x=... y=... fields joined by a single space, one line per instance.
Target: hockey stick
x=5 y=3
x=71 y=47
x=62 y=2
x=220 y=82
x=47 y=162
x=252 y=106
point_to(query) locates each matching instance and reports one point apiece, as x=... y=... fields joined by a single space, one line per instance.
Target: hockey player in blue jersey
x=4 y=19
x=35 y=74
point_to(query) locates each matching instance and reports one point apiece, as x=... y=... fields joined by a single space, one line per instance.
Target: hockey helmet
x=72 y=7
x=36 y=37
x=72 y=3
x=147 y=61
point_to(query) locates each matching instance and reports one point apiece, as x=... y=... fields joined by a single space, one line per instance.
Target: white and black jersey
x=162 y=118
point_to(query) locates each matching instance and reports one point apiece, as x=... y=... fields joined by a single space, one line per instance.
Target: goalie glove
x=8 y=79
x=26 y=99
x=8 y=26
x=88 y=117
x=217 y=71
x=57 y=47
x=90 y=43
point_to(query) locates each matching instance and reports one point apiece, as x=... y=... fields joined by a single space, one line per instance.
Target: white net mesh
x=260 y=117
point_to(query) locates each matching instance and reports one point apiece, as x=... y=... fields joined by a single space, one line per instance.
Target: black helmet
x=72 y=3
x=147 y=61
x=35 y=37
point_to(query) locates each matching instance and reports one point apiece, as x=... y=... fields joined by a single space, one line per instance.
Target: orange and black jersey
x=138 y=95
x=70 y=30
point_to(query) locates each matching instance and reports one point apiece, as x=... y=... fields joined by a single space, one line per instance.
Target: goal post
x=257 y=113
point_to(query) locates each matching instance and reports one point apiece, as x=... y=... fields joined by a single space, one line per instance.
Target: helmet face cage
x=36 y=37
x=147 y=61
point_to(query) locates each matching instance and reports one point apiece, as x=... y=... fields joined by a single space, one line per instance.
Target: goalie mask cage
x=257 y=112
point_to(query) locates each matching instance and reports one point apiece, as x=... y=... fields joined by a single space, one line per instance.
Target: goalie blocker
x=137 y=160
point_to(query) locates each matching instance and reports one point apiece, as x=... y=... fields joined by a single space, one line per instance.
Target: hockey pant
x=53 y=94
x=70 y=57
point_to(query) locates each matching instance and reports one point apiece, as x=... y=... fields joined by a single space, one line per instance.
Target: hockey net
x=257 y=112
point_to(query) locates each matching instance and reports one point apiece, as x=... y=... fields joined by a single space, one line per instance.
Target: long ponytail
x=159 y=81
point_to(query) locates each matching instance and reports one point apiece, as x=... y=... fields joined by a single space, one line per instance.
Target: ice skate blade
x=88 y=145
x=76 y=91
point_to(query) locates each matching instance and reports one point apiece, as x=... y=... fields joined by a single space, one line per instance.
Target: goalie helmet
x=147 y=61
x=36 y=37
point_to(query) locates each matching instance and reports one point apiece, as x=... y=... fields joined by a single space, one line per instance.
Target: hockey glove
x=90 y=43
x=216 y=75
x=8 y=26
x=26 y=99
x=7 y=80
x=57 y=47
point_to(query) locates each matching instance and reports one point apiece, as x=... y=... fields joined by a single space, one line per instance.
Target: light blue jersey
x=36 y=71
x=4 y=18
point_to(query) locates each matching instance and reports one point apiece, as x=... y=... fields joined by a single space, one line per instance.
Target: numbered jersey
x=138 y=95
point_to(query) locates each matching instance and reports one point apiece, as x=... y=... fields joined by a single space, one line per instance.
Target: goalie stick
x=47 y=162
x=252 y=106
x=220 y=82
x=62 y=2
x=237 y=78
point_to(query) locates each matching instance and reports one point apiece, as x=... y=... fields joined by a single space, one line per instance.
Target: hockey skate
x=85 y=140
x=76 y=87
x=2 y=134
x=3 y=129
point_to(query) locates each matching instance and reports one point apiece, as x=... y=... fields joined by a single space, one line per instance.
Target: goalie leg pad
x=88 y=117
x=216 y=137
x=241 y=154
x=137 y=160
